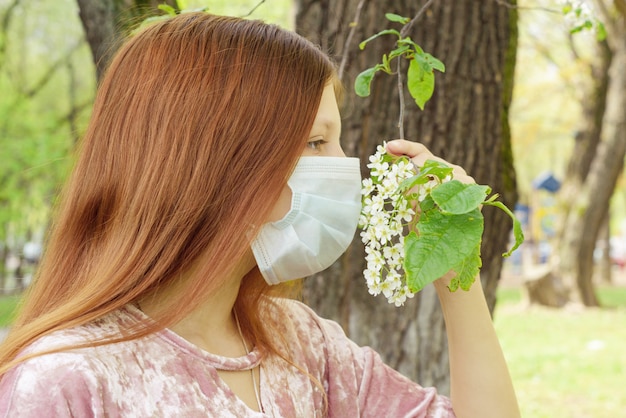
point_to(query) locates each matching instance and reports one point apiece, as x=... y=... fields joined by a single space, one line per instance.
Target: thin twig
x=401 y=98
x=254 y=8
x=346 y=45
x=4 y=27
x=406 y=28
x=403 y=34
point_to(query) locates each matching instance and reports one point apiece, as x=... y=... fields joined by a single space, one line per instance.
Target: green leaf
x=194 y=10
x=576 y=29
x=382 y=32
x=363 y=82
x=423 y=63
x=408 y=184
x=167 y=9
x=149 y=21
x=467 y=271
x=456 y=198
x=386 y=64
x=409 y=42
x=435 y=63
x=443 y=242
x=431 y=168
x=397 y=18
x=427 y=204
x=436 y=168
x=421 y=84
x=399 y=51
x=600 y=32
x=518 y=233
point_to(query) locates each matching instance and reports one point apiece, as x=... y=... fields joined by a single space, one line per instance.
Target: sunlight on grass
x=565 y=363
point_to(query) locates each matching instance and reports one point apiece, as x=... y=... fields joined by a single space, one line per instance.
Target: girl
x=211 y=174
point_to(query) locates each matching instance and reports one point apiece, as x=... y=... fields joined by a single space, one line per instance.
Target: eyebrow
x=324 y=123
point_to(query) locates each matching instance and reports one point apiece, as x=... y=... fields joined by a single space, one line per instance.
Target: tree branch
x=401 y=98
x=406 y=28
x=403 y=34
x=254 y=8
x=620 y=5
x=346 y=45
x=4 y=27
x=41 y=83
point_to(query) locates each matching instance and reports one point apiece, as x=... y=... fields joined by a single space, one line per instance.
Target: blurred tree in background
x=598 y=157
x=45 y=97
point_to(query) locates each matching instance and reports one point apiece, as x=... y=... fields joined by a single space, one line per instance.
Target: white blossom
x=367 y=186
x=386 y=212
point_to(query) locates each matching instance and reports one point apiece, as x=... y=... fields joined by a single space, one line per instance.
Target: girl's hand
x=418 y=153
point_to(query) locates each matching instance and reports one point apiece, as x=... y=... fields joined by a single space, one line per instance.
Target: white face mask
x=319 y=227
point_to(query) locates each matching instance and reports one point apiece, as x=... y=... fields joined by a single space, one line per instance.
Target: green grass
x=566 y=363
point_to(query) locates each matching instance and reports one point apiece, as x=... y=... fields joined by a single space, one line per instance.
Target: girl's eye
x=316 y=144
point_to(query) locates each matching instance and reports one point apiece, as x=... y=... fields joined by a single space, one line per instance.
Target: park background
x=565 y=352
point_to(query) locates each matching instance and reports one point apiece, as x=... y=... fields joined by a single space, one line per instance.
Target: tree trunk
x=98 y=18
x=587 y=139
x=585 y=219
x=586 y=145
x=542 y=287
x=106 y=21
x=604 y=268
x=466 y=122
x=594 y=107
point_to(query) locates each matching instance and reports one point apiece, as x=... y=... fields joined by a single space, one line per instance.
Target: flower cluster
x=385 y=215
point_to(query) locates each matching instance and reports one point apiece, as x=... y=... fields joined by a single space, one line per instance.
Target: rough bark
x=98 y=18
x=465 y=122
x=106 y=21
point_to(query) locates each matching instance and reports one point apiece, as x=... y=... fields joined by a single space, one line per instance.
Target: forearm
x=481 y=386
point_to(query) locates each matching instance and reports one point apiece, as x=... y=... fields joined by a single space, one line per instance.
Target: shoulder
x=67 y=382
x=305 y=324
x=304 y=317
x=55 y=383
x=318 y=341
x=355 y=377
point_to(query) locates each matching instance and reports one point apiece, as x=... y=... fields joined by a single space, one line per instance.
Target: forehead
x=328 y=111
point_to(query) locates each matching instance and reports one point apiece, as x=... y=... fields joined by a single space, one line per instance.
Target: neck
x=211 y=325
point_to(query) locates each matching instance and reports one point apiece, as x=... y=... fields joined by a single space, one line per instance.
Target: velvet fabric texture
x=163 y=375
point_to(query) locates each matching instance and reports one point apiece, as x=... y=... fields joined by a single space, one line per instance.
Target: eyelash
x=315 y=145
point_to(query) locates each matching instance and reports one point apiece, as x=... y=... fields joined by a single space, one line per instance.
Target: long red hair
x=196 y=127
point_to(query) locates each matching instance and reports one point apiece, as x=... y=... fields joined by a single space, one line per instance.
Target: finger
x=408 y=148
x=419 y=154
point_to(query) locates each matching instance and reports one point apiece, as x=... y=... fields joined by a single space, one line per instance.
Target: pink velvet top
x=163 y=375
